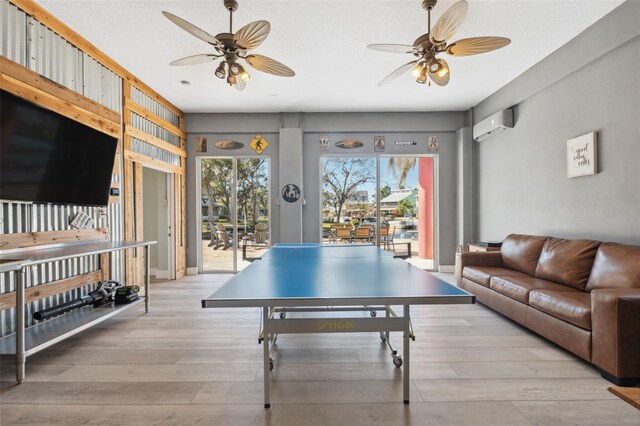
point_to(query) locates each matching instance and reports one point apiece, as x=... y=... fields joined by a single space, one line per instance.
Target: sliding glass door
x=235 y=214
x=393 y=197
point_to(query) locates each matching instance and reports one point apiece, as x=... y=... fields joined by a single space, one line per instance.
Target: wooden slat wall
x=8 y=300
x=34 y=239
x=134 y=163
x=68 y=102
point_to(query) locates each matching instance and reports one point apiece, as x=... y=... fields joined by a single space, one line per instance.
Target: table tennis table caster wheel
x=383 y=337
x=283 y=315
x=397 y=361
x=373 y=314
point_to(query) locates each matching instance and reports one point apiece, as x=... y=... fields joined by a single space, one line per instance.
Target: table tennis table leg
x=265 y=353
x=407 y=361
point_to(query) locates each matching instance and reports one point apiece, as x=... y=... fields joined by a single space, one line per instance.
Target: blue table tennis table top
x=320 y=275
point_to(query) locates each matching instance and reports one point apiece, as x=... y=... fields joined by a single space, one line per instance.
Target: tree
x=405 y=207
x=385 y=191
x=400 y=167
x=342 y=177
x=216 y=183
x=252 y=188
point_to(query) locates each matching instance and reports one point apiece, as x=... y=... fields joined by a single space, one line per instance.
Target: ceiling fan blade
x=449 y=23
x=252 y=35
x=193 y=60
x=391 y=48
x=268 y=65
x=476 y=45
x=397 y=73
x=192 y=29
x=438 y=77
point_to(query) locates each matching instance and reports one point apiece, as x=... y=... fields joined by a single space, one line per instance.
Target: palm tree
x=400 y=167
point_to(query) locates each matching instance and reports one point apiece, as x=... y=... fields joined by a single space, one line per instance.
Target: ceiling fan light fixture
x=434 y=65
x=417 y=70
x=235 y=69
x=244 y=76
x=231 y=79
x=221 y=71
x=443 y=71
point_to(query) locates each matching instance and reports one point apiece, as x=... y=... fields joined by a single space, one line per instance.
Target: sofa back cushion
x=615 y=266
x=521 y=252
x=567 y=262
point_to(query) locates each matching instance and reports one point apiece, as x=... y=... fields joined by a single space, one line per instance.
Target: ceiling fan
x=233 y=47
x=428 y=67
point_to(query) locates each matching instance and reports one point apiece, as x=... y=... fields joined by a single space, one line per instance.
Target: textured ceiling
x=325 y=43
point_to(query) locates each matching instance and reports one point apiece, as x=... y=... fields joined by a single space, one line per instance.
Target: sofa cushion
x=518 y=287
x=571 y=306
x=521 y=252
x=615 y=266
x=567 y=262
x=482 y=274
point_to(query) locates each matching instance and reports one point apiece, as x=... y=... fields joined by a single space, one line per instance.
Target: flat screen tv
x=48 y=158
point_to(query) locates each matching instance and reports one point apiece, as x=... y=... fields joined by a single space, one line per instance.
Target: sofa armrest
x=615 y=341
x=476 y=258
x=481 y=258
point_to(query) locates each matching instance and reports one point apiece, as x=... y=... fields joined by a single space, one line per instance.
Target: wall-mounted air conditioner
x=493 y=125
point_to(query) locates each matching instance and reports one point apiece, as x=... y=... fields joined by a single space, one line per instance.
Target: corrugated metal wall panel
x=20 y=217
x=152 y=151
x=153 y=129
x=29 y=43
x=13 y=33
x=153 y=106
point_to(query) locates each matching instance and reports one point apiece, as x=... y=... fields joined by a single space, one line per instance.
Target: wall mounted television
x=48 y=158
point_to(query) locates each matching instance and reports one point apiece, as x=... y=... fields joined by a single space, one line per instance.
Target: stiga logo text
x=337 y=325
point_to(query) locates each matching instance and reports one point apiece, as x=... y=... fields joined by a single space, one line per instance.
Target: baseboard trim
x=447 y=269
x=164 y=275
x=192 y=271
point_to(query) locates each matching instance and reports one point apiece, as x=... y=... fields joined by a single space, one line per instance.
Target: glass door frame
x=378 y=157
x=233 y=209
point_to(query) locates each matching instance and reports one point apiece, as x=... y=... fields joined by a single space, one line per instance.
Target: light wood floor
x=183 y=365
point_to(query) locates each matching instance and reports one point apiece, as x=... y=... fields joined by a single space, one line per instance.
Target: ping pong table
x=315 y=278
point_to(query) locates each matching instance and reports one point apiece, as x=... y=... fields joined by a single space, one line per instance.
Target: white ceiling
x=324 y=42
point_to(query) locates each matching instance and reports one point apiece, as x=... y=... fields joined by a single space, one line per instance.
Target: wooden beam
x=152 y=163
x=66 y=108
x=8 y=300
x=39 y=13
x=138 y=185
x=139 y=134
x=127 y=194
x=33 y=239
x=129 y=104
x=42 y=83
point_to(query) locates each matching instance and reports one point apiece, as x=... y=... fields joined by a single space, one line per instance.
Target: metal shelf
x=50 y=332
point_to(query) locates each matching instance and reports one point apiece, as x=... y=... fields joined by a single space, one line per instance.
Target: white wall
x=155 y=216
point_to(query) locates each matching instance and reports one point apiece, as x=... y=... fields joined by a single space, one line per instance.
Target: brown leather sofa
x=583 y=295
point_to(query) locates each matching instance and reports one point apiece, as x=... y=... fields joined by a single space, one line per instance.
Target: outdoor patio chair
x=343 y=234
x=222 y=236
x=386 y=237
x=362 y=234
x=261 y=235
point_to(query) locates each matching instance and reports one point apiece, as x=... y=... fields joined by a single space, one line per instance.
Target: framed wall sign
x=582 y=156
x=324 y=143
x=201 y=144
